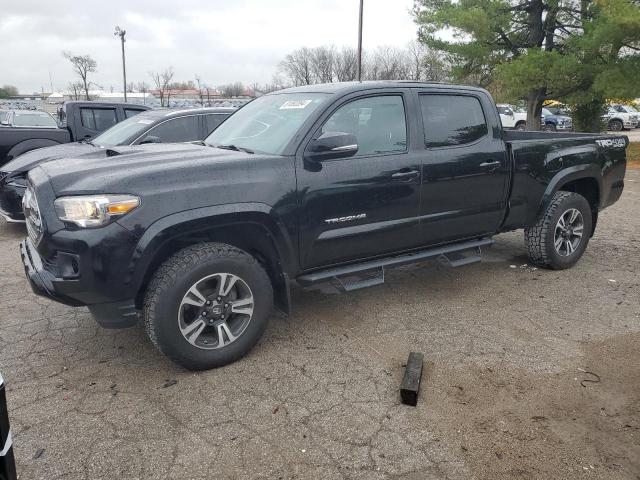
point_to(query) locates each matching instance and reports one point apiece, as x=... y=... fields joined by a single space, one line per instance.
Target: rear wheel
x=208 y=305
x=521 y=126
x=561 y=235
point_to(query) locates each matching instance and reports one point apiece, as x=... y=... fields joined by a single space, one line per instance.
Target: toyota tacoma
x=311 y=184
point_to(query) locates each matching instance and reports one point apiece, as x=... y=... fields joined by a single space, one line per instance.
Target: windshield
x=267 y=124
x=35 y=119
x=122 y=132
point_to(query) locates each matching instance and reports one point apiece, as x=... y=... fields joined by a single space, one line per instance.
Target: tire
x=521 y=126
x=541 y=238
x=616 y=125
x=549 y=127
x=184 y=281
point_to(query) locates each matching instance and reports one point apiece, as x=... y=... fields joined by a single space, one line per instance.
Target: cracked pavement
x=509 y=352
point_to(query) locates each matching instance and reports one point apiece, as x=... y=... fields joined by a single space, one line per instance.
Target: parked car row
x=617 y=118
x=25 y=130
x=152 y=126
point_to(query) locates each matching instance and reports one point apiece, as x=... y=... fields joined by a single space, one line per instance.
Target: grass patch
x=633 y=155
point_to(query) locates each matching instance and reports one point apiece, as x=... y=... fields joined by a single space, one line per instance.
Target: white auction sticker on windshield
x=295 y=104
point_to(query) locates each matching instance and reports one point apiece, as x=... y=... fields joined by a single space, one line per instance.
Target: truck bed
x=537 y=158
x=37 y=137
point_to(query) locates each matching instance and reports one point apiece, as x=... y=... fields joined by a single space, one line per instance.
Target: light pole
x=360 y=42
x=121 y=33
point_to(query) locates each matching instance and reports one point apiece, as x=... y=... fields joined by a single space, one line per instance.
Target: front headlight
x=94 y=210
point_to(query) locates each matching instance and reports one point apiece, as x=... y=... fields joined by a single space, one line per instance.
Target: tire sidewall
x=167 y=307
x=558 y=261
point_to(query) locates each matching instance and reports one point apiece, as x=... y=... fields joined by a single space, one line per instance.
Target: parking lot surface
x=529 y=374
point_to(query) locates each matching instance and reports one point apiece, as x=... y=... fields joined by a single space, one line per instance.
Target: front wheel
x=549 y=127
x=616 y=125
x=208 y=305
x=561 y=235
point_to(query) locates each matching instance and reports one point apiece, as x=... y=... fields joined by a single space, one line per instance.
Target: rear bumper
x=43 y=282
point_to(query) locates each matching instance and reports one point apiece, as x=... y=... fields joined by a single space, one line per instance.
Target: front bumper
x=65 y=285
x=42 y=281
x=565 y=128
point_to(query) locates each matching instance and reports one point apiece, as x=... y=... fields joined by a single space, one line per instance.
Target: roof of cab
x=347 y=87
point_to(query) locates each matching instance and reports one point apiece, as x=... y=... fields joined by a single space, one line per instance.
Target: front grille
x=32 y=215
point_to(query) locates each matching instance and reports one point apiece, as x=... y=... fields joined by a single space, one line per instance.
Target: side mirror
x=150 y=139
x=332 y=145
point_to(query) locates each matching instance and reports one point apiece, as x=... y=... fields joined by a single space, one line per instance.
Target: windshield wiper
x=235 y=148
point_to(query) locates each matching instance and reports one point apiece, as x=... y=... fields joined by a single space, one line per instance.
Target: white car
x=514 y=117
x=619 y=117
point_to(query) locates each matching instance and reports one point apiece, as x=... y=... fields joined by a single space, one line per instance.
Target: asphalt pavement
x=529 y=374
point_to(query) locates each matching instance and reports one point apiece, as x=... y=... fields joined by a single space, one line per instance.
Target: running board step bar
x=451 y=255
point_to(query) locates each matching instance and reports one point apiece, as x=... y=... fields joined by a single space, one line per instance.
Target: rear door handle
x=490 y=164
x=404 y=174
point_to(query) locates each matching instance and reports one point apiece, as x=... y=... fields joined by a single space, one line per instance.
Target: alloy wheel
x=568 y=232
x=215 y=311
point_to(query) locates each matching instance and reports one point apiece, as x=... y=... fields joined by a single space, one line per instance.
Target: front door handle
x=404 y=174
x=490 y=164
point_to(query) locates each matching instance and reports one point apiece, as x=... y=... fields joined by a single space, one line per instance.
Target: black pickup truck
x=25 y=130
x=320 y=183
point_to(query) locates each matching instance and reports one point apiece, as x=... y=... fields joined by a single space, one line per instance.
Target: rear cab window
x=452 y=120
x=98 y=119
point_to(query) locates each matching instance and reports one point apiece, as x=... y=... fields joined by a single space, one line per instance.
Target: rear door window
x=98 y=119
x=452 y=120
x=181 y=129
x=213 y=120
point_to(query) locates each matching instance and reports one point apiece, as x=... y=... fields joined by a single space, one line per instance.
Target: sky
x=220 y=40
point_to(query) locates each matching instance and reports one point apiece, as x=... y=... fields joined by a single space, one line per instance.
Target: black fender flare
x=199 y=221
x=30 y=144
x=577 y=172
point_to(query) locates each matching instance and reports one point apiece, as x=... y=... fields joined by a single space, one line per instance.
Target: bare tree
x=388 y=63
x=163 y=84
x=75 y=88
x=297 y=66
x=82 y=66
x=345 y=64
x=143 y=88
x=322 y=59
x=200 y=91
x=131 y=87
x=232 y=90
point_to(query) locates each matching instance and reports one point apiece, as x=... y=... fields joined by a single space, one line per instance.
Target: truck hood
x=33 y=158
x=143 y=167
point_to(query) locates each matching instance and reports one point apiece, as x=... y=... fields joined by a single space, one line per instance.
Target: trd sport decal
x=349 y=218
